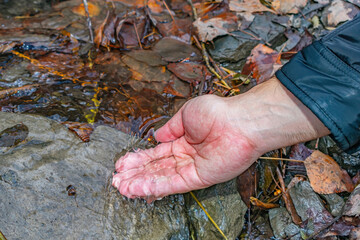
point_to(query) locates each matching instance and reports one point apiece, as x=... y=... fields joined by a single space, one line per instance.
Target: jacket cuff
x=330 y=88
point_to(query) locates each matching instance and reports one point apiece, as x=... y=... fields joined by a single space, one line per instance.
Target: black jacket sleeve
x=325 y=76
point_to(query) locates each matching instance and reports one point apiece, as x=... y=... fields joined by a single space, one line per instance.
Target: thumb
x=172 y=130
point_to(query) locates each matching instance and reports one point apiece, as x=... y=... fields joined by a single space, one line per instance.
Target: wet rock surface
x=282 y=225
x=224 y=205
x=35 y=179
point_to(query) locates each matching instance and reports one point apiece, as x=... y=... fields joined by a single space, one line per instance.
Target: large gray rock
x=34 y=201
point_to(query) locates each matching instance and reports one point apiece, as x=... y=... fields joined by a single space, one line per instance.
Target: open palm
x=199 y=147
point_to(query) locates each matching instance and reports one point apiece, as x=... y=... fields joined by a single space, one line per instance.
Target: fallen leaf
x=14 y=135
x=262 y=63
x=305 y=40
x=288 y=6
x=94 y=10
x=189 y=71
x=209 y=29
x=325 y=174
x=256 y=202
x=156 y=6
x=5 y=47
x=247 y=184
x=250 y=6
x=82 y=130
x=339 y=12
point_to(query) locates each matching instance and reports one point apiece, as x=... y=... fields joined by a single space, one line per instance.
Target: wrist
x=272 y=117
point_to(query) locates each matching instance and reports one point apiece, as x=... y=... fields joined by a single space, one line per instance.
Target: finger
x=141 y=158
x=172 y=130
x=152 y=186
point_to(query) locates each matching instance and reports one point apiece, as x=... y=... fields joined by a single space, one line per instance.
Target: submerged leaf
x=14 y=135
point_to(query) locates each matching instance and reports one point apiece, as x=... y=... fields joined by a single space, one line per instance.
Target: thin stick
x=11 y=91
x=172 y=17
x=287 y=199
x=88 y=21
x=195 y=16
x=281 y=159
x=208 y=215
x=137 y=35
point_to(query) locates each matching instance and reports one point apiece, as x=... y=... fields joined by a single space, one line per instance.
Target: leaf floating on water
x=326 y=176
x=14 y=135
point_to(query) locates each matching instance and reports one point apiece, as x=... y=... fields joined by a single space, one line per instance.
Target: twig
x=88 y=21
x=137 y=35
x=287 y=199
x=11 y=91
x=208 y=215
x=172 y=17
x=195 y=16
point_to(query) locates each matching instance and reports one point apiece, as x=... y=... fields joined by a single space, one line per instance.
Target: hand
x=213 y=139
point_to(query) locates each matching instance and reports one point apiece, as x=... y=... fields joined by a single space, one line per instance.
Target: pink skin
x=213 y=139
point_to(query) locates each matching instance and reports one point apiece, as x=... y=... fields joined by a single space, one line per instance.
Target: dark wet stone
x=232 y=48
x=309 y=207
x=335 y=203
x=268 y=31
x=172 y=50
x=224 y=205
x=282 y=225
x=305 y=198
x=260 y=229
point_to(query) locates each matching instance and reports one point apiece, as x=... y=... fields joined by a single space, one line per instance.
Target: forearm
x=272 y=117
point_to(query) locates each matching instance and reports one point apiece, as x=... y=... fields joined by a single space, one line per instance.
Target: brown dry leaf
x=251 y=6
x=288 y=6
x=190 y=72
x=94 y=10
x=82 y=130
x=5 y=47
x=338 y=12
x=155 y=6
x=247 y=184
x=209 y=29
x=256 y=202
x=325 y=174
x=262 y=63
x=246 y=8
